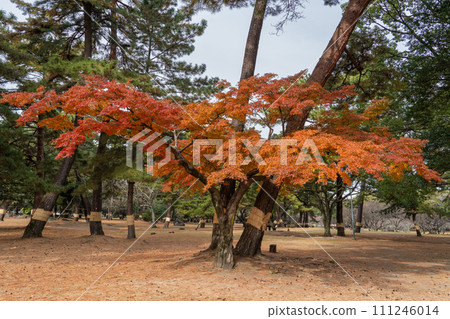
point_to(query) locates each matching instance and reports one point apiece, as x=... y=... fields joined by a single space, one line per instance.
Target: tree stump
x=273 y=248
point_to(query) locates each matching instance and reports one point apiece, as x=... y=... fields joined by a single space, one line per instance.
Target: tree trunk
x=330 y=57
x=224 y=251
x=249 y=243
x=248 y=70
x=76 y=213
x=39 y=163
x=169 y=214
x=153 y=215
x=95 y=222
x=359 y=215
x=113 y=38
x=339 y=208
x=3 y=209
x=226 y=192
x=86 y=207
x=130 y=213
x=327 y=223
x=251 y=49
x=320 y=74
x=253 y=38
x=87 y=6
x=215 y=234
x=41 y=215
x=419 y=234
x=279 y=217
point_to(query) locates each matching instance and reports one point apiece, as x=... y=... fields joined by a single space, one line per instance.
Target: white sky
x=222 y=45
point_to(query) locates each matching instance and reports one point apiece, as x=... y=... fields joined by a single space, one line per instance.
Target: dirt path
x=166 y=265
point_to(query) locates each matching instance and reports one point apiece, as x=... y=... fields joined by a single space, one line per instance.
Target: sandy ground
x=165 y=264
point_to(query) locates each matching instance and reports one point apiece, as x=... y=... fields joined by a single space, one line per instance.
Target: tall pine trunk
x=339 y=207
x=359 y=215
x=95 y=222
x=320 y=74
x=130 y=212
x=87 y=6
x=113 y=38
x=248 y=70
x=253 y=38
x=83 y=200
x=39 y=163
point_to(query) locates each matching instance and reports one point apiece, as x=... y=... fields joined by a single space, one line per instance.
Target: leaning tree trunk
x=320 y=74
x=330 y=57
x=249 y=243
x=340 y=208
x=359 y=215
x=42 y=214
x=3 y=209
x=130 y=213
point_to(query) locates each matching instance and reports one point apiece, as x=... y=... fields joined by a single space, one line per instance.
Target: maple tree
x=339 y=134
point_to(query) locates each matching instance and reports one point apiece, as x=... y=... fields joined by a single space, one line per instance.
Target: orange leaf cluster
x=349 y=142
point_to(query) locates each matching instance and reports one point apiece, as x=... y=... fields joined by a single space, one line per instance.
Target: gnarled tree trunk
x=224 y=251
x=215 y=234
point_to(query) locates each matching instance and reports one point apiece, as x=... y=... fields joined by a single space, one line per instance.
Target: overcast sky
x=222 y=45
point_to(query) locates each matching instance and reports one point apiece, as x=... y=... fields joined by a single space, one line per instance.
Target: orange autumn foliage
x=348 y=141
